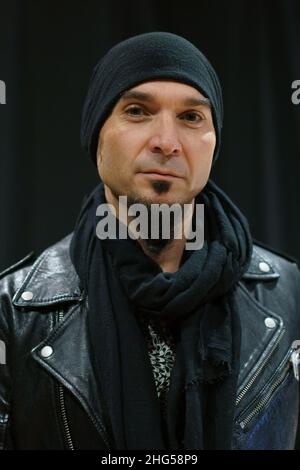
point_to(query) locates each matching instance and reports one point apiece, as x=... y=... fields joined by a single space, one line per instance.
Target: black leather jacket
x=48 y=396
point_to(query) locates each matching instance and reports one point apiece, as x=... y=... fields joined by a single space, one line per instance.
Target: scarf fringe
x=209 y=374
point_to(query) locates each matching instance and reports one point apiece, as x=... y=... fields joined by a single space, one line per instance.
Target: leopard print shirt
x=161 y=347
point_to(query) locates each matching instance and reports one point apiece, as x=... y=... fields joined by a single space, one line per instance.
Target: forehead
x=164 y=89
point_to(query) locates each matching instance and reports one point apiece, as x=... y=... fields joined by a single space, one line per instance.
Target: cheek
x=108 y=149
x=208 y=143
x=118 y=143
x=202 y=150
x=201 y=159
x=117 y=149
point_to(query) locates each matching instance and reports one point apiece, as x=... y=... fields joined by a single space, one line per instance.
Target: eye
x=135 y=111
x=192 y=117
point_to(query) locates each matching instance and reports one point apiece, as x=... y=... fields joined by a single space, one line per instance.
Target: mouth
x=160 y=174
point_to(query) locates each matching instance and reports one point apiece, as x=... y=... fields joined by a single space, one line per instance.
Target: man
x=141 y=342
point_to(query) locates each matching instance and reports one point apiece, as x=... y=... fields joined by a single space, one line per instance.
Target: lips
x=159 y=172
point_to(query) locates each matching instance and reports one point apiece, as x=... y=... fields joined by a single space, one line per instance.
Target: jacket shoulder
x=30 y=267
x=271 y=250
x=22 y=263
x=50 y=280
x=268 y=263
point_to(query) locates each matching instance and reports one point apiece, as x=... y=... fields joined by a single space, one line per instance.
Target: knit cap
x=141 y=58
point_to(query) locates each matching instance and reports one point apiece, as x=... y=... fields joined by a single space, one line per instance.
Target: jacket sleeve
x=7 y=289
x=297 y=443
x=5 y=380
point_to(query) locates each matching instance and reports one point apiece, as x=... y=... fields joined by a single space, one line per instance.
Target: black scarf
x=197 y=301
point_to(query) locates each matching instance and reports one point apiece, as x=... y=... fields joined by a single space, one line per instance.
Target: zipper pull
x=295 y=358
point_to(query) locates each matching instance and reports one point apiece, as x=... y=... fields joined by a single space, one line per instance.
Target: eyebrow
x=148 y=97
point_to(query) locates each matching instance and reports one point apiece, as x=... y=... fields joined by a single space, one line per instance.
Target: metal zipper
x=64 y=417
x=258 y=371
x=62 y=404
x=295 y=358
x=63 y=413
x=271 y=386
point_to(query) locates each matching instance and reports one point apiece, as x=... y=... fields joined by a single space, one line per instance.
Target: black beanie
x=149 y=56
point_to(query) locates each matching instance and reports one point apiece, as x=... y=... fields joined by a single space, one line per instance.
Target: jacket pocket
x=289 y=365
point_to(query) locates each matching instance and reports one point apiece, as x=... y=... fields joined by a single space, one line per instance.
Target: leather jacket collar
x=51 y=281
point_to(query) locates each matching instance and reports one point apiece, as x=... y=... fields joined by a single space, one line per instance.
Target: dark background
x=47 y=52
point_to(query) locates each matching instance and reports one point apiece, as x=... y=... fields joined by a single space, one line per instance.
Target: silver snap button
x=264 y=267
x=46 y=351
x=270 y=322
x=27 y=295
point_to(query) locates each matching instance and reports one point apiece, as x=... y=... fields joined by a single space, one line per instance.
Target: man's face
x=157 y=145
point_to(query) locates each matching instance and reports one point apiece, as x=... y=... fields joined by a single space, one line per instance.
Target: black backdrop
x=47 y=51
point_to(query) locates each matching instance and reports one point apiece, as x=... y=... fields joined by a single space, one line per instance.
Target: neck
x=169 y=259
x=170 y=256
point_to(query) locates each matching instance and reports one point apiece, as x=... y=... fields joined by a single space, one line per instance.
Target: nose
x=165 y=138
